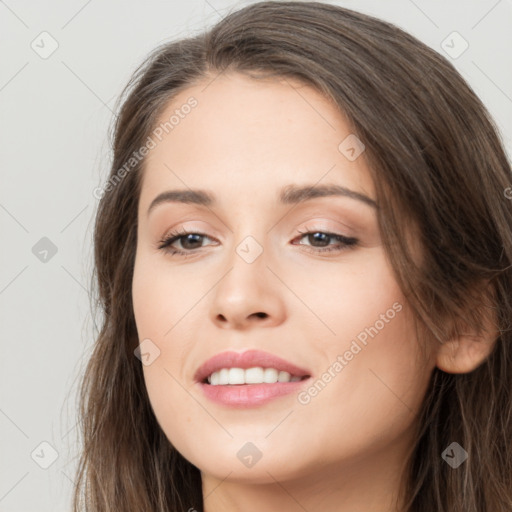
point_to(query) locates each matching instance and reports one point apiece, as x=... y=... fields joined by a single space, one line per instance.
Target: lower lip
x=249 y=395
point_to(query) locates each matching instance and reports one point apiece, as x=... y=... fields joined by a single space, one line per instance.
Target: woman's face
x=253 y=279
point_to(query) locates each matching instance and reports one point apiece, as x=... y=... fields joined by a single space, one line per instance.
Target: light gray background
x=54 y=117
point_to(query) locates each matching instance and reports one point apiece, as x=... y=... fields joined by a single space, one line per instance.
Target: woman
x=303 y=254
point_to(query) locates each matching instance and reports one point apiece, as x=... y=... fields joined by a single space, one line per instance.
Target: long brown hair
x=438 y=164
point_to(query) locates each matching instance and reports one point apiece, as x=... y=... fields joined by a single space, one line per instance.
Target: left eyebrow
x=290 y=194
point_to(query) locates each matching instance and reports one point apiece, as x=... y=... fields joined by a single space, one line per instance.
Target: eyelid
x=325 y=225
x=207 y=230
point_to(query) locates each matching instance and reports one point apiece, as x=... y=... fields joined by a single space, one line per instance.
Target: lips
x=247 y=359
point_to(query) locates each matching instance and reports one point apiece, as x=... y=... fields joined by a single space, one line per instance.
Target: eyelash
x=165 y=243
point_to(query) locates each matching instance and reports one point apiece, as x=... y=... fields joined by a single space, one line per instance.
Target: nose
x=248 y=295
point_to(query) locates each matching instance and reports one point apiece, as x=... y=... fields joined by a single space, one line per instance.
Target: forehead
x=250 y=137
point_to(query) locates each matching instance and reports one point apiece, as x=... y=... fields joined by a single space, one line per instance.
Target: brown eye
x=189 y=241
x=321 y=241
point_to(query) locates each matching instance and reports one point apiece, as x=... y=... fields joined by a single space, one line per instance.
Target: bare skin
x=345 y=446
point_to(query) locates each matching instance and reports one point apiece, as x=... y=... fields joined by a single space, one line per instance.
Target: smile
x=254 y=375
x=248 y=379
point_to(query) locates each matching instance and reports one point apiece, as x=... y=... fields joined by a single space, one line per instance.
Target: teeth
x=255 y=375
x=236 y=376
x=224 y=376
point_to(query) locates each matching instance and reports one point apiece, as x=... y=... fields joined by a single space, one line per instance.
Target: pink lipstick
x=248 y=379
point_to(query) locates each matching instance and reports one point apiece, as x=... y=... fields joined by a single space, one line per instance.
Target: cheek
x=160 y=297
x=158 y=309
x=349 y=297
x=177 y=414
x=374 y=375
x=162 y=302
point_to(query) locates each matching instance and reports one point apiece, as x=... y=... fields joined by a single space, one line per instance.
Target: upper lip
x=247 y=359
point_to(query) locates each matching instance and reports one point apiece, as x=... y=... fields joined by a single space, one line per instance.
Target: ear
x=465 y=352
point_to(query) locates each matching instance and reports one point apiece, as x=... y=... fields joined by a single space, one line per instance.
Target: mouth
x=249 y=367
x=248 y=379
